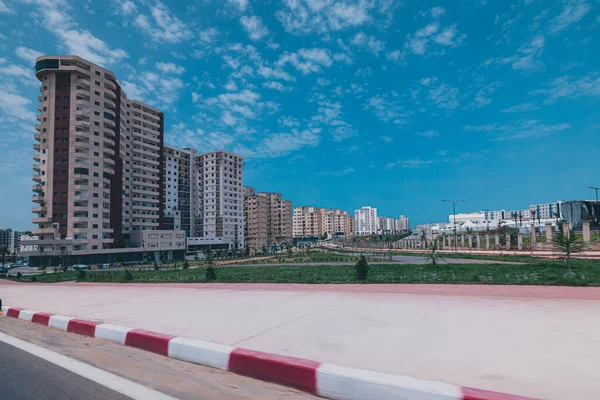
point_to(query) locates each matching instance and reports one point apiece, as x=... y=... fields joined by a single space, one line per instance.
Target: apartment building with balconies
x=98 y=159
x=268 y=220
x=219 y=210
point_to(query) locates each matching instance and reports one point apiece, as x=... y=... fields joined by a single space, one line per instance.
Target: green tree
x=82 y=275
x=211 y=273
x=424 y=238
x=433 y=257
x=33 y=278
x=127 y=275
x=208 y=259
x=19 y=275
x=362 y=269
x=568 y=245
x=186 y=265
x=155 y=265
x=3 y=253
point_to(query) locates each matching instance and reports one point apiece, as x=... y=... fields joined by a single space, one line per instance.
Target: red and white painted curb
x=322 y=379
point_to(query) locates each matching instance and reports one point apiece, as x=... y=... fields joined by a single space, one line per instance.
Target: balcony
x=36 y=157
x=110 y=85
x=37 y=137
x=109 y=104
x=42 y=220
x=110 y=95
x=38 y=127
x=38 y=209
x=37 y=178
x=36 y=167
x=82 y=124
x=43 y=231
x=37 y=188
x=36 y=146
x=37 y=199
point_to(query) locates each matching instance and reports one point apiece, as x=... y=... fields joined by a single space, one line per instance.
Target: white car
x=80 y=266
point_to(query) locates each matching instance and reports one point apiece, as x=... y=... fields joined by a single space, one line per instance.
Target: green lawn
x=586 y=273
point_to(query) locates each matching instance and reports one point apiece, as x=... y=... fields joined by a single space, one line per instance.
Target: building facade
x=268 y=220
x=309 y=222
x=98 y=159
x=178 y=197
x=367 y=222
x=219 y=209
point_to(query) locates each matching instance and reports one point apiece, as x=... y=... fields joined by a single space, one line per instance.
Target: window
x=96 y=103
x=66 y=97
x=97 y=73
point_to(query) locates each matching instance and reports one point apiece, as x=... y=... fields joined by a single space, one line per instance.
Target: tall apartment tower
x=98 y=159
x=366 y=220
x=310 y=221
x=339 y=223
x=219 y=211
x=268 y=220
x=179 y=197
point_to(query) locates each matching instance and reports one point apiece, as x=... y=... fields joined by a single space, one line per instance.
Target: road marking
x=104 y=378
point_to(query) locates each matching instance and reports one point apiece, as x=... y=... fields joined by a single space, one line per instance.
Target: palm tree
x=424 y=238
x=432 y=256
x=568 y=245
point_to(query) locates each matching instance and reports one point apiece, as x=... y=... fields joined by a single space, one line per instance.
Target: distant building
x=309 y=221
x=27 y=238
x=366 y=221
x=268 y=220
x=12 y=239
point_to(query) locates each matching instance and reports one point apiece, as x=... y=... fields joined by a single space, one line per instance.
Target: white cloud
x=387 y=139
x=126 y=8
x=239 y=4
x=170 y=68
x=313 y=16
x=208 y=35
x=330 y=113
x=525 y=129
x=24 y=75
x=368 y=42
x=254 y=27
x=434 y=33
x=428 y=134
x=526 y=58
x=573 y=12
x=274 y=73
x=338 y=172
x=288 y=121
x=441 y=94
x=28 y=55
x=276 y=86
x=307 y=60
x=281 y=144
x=395 y=56
x=162 y=25
x=437 y=12
x=4 y=8
x=388 y=110
x=521 y=108
x=410 y=163
x=56 y=18
x=567 y=87
x=15 y=106
x=161 y=91
x=181 y=136
x=483 y=97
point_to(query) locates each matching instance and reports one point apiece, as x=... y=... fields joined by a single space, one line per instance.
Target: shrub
x=127 y=275
x=33 y=279
x=82 y=275
x=186 y=265
x=19 y=275
x=362 y=269
x=155 y=266
x=211 y=274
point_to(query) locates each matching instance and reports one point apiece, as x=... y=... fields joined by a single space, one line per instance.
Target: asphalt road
x=24 y=376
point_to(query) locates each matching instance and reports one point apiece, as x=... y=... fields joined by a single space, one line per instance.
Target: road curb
x=322 y=379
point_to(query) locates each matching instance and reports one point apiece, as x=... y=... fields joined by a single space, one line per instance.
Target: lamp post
x=597 y=206
x=454 y=214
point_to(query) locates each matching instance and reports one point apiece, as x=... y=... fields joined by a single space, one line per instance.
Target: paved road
x=24 y=376
x=542 y=348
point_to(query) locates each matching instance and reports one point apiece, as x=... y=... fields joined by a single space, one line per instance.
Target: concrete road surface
x=544 y=347
x=25 y=376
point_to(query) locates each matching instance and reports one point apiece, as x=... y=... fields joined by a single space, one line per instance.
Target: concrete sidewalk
x=533 y=347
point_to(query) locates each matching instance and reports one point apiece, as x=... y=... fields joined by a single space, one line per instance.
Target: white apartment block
x=366 y=221
x=403 y=223
x=219 y=211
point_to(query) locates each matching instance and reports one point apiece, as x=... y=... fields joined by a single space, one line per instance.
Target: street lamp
x=597 y=206
x=454 y=213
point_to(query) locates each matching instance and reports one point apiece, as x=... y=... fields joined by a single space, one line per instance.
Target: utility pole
x=597 y=205
x=454 y=214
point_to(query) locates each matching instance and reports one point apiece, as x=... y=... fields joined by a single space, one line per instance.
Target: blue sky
x=337 y=103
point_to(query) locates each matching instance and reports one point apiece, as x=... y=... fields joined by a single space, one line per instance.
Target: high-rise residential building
x=310 y=222
x=403 y=224
x=366 y=221
x=98 y=159
x=339 y=224
x=11 y=239
x=219 y=211
x=179 y=196
x=268 y=220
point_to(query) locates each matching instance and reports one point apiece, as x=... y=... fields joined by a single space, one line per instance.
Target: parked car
x=104 y=266
x=4 y=269
x=77 y=267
